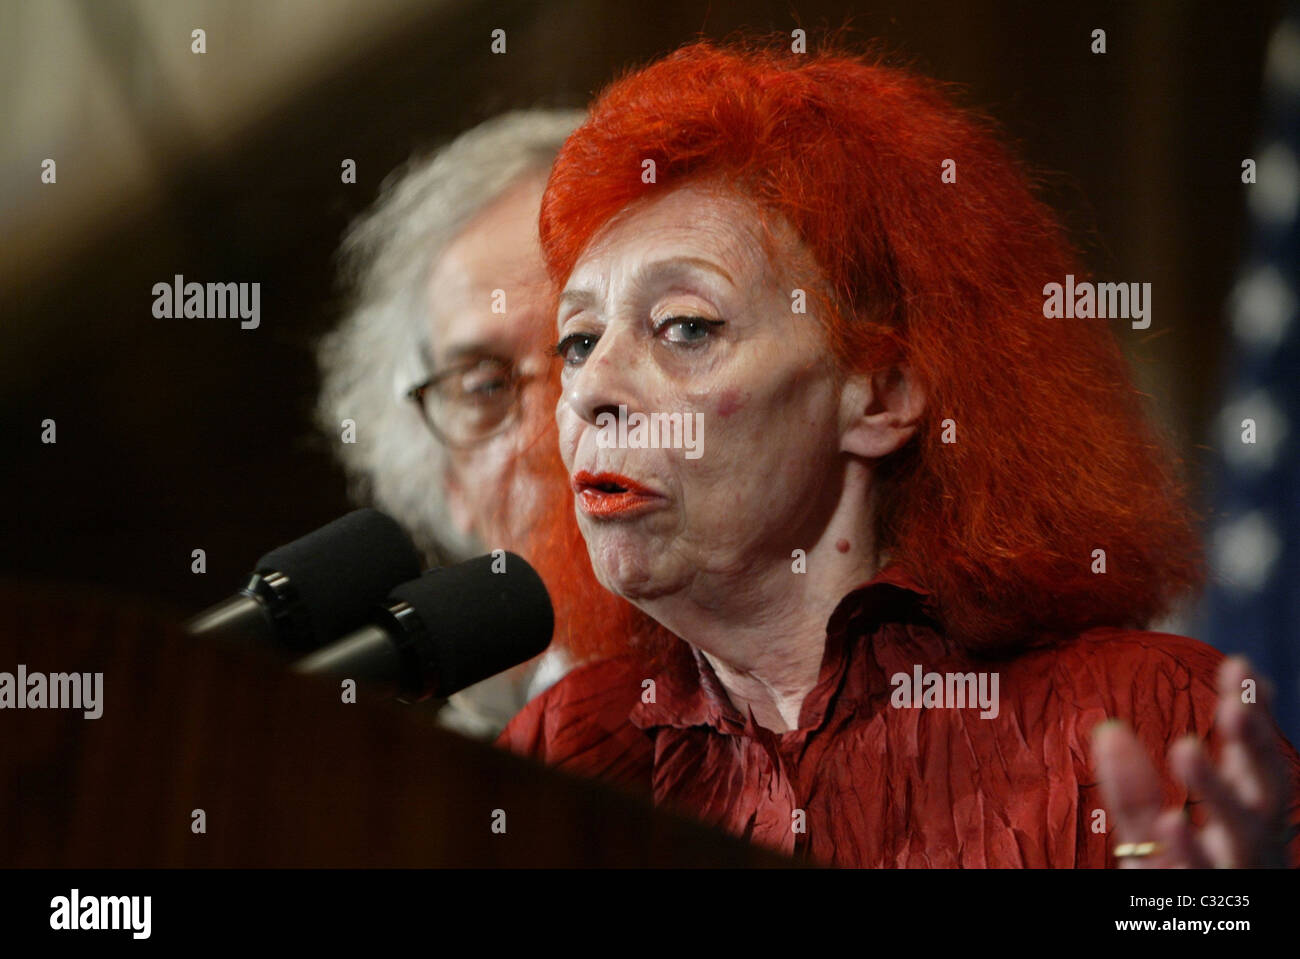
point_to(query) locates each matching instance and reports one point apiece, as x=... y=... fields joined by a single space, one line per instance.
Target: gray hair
x=379 y=350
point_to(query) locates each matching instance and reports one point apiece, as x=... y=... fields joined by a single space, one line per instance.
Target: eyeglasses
x=470 y=402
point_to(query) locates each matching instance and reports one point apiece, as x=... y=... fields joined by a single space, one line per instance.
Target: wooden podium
x=286 y=774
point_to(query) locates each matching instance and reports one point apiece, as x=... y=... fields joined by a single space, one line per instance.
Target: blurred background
x=182 y=434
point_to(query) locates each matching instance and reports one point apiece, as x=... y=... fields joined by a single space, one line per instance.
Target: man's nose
x=608 y=377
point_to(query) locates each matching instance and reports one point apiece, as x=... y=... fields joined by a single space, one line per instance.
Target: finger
x=1250 y=759
x=1129 y=785
x=1231 y=832
x=1178 y=843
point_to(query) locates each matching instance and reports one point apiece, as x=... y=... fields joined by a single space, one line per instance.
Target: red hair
x=1054 y=455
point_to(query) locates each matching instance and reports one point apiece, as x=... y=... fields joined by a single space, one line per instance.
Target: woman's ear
x=880 y=411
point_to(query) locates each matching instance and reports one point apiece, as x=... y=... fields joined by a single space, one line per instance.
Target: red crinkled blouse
x=866 y=781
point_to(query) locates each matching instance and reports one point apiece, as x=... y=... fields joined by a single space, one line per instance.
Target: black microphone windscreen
x=341 y=570
x=482 y=616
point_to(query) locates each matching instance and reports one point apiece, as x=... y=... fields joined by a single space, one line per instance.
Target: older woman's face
x=489 y=299
x=675 y=308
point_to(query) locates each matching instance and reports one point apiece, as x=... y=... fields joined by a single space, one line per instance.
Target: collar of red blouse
x=687 y=691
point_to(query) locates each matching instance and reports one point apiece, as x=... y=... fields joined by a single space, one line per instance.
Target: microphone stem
x=368 y=655
x=239 y=620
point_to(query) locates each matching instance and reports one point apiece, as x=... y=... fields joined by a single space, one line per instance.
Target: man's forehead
x=460 y=271
x=478 y=331
x=490 y=307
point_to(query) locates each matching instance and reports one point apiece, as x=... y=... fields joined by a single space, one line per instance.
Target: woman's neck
x=764 y=631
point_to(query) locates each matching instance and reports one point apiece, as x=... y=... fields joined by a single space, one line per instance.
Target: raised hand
x=1244 y=797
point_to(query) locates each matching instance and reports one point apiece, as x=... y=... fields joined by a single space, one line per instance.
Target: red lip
x=610 y=494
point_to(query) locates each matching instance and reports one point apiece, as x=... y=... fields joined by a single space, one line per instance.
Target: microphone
x=319 y=587
x=447 y=630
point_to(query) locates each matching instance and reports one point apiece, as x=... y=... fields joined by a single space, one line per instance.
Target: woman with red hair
x=903 y=564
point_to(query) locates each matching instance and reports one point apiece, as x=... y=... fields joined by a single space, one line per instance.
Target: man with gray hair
x=430 y=388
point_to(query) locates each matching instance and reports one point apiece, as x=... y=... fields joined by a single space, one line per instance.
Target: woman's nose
x=607 y=379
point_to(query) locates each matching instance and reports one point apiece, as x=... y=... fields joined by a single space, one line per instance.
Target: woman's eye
x=686 y=329
x=575 y=348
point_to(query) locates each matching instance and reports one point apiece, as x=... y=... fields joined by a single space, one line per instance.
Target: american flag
x=1252 y=605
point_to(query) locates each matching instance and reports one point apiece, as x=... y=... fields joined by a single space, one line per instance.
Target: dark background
x=181 y=434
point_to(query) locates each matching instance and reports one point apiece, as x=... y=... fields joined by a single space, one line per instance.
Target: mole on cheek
x=842 y=546
x=729 y=401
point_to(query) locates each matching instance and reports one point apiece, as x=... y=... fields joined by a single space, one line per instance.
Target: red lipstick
x=610 y=495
